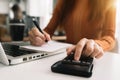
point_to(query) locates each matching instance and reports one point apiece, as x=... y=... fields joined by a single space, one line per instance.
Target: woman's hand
x=37 y=38
x=86 y=47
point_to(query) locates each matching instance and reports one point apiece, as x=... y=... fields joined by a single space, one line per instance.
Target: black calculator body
x=68 y=65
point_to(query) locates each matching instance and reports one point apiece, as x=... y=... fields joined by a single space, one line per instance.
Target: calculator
x=68 y=65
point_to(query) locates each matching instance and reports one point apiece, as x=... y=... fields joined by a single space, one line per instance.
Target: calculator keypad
x=84 y=61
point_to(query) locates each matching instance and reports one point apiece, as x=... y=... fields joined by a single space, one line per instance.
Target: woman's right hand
x=37 y=38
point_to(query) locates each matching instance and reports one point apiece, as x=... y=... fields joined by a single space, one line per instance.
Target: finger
x=70 y=49
x=79 y=49
x=31 y=40
x=100 y=54
x=36 y=32
x=31 y=37
x=96 y=51
x=31 y=34
x=47 y=36
x=89 y=48
x=39 y=41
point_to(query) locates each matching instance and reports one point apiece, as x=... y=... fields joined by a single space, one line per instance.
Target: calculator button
x=66 y=61
x=83 y=62
x=88 y=63
x=78 y=62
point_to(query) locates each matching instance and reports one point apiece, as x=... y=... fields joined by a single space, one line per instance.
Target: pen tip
x=46 y=40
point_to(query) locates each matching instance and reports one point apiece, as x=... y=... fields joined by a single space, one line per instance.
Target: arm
x=55 y=20
x=108 y=32
x=94 y=48
x=36 y=37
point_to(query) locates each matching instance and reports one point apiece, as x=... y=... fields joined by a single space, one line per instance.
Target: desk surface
x=106 y=68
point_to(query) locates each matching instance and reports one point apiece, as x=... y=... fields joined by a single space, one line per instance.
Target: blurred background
x=22 y=12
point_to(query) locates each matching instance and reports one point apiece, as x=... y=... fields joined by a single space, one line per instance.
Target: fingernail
x=77 y=58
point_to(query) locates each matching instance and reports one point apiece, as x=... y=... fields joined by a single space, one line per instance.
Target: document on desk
x=50 y=46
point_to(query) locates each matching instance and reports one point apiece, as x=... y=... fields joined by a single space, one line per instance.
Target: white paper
x=50 y=46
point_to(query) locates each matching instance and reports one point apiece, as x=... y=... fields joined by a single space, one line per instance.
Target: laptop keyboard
x=13 y=50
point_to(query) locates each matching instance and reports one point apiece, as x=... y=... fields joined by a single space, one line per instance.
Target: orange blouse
x=76 y=25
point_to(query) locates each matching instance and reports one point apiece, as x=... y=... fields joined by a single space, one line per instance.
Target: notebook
x=50 y=46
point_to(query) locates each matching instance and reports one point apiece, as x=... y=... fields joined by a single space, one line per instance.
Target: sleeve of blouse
x=57 y=14
x=107 y=40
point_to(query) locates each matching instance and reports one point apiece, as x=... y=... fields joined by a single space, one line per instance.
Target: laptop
x=11 y=54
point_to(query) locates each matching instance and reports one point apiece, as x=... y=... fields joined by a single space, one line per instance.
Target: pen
x=37 y=25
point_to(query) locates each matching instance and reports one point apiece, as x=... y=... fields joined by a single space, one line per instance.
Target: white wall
x=118 y=20
x=118 y=26
x=4 y=6
x=40 y=8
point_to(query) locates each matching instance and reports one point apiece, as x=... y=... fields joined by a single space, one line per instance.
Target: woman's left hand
x=86 y=47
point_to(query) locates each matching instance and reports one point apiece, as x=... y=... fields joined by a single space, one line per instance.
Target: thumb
x=47 y=36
